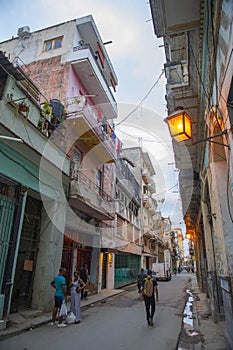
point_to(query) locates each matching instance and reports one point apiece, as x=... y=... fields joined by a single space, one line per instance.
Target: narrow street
x=119 y=323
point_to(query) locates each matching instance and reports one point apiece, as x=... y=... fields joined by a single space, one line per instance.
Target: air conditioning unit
x=23 y=31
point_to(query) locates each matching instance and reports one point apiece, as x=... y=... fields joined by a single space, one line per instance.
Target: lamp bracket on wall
x=209 y=139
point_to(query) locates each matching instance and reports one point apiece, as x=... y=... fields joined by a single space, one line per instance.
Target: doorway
x=27 y=256
x=104 y=271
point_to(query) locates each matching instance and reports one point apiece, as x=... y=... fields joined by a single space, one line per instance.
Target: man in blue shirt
x=59 y=283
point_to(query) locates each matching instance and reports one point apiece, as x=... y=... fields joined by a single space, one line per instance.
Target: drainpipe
x=13 y=251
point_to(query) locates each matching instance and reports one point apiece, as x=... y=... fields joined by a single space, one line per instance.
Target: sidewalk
x=204 y=333
x=30 y=319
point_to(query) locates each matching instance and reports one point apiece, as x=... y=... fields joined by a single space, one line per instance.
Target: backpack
x=148 y=288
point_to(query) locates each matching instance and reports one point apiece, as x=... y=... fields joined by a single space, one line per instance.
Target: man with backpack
x=149 y=289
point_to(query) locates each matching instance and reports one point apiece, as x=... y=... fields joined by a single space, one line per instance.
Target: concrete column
x=95 y=267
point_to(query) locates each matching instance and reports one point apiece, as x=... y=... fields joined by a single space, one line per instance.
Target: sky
x=137 y=56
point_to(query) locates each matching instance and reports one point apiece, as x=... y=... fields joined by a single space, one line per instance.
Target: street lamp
x=188 y=236
x=190 y=233
x=180 y=127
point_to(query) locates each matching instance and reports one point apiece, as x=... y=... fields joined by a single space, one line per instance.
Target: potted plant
x=47 y=110
x=23 y=107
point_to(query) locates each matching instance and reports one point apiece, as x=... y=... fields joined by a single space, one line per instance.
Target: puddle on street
x=188 y=314
x=189 y=335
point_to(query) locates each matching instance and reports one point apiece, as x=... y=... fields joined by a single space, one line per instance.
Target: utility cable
x=142 y=100
x=169 y=189
x=141 y=138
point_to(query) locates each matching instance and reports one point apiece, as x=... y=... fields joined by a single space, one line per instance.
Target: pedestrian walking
x=140 y=279
x=84 y=275
x=59 y=283
x=77 y=285
x=150 y=288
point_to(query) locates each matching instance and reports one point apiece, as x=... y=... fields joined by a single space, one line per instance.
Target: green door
x=7 y=207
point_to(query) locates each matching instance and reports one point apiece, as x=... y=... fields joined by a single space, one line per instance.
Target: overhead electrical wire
x=169 y=189
x=141 y=138
x=142 y=100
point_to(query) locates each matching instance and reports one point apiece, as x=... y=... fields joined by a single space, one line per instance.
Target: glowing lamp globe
x=180 y=125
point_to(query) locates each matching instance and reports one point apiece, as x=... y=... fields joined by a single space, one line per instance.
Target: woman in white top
x=76 y=285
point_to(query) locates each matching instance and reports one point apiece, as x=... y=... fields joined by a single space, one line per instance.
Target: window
x=57 y=43
x=99 y=181
x=145 y=189
x=48 y=45
x=53 y=44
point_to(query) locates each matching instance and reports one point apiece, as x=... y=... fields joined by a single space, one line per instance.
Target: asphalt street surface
x=118 y=323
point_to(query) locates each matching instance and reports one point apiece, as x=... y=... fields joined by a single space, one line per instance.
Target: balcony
x=127 y=179
x=152 y=187
x=87 y=197
x=146 y=176
x=147 y=231
x=152 y=208
x=165 y=20
x=84 y=63
x=79 y=230
x=145 y=200
x=83 y=127
x=21 y=123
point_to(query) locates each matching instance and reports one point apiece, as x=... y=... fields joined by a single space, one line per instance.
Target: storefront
x=127 y=267
x=31 y=254
x=74 y=255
